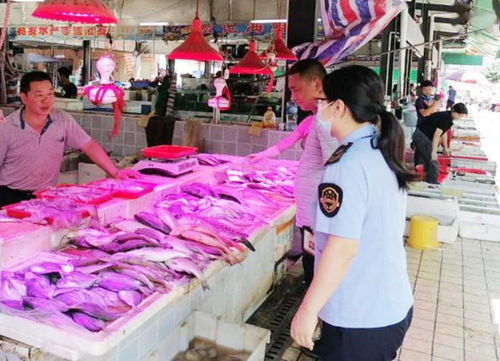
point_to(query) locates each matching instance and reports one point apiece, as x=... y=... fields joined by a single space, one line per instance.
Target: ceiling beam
x=442 y=8
x=452 y=21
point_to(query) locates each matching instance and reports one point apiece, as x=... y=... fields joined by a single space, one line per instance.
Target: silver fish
x=39 y=287
x=166 y=217
x=156 y=254
x=131 y=298
x=185 y=265
x=116 y=282
x=152 y=221
x=52 y=267
x=94 y=268
x=45 y=305
x=77 y=280
x=125 y=224
x=12 y=286
x=97 y=311
x=90 y=323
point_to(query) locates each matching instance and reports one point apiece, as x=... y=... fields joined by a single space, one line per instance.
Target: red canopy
x=75 y=11
x=279 y=48
x=195 y=47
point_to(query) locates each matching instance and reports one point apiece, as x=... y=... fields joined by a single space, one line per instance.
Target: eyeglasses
x=320 y=101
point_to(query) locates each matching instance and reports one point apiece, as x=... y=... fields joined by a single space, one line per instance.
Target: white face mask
x=321 y=117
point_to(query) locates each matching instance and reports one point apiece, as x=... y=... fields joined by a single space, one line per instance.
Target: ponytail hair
x=361 y=89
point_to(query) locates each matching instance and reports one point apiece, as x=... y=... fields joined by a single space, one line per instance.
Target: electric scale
x=167 y=160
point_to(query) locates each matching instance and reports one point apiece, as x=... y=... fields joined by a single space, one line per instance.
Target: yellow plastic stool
x=423 y=232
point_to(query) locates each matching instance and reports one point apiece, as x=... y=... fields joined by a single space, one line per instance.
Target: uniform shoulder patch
x=330 y=199
x=339 y=152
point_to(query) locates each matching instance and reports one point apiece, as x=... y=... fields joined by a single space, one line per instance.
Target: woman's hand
x=303 y=325
x=127 y=173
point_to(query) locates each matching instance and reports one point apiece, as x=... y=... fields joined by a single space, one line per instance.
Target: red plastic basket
x=14 y=211
x=168 y=151
x=93 y=201
x=145 y=189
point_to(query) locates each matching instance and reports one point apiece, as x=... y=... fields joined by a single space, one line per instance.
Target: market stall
x=230 y=281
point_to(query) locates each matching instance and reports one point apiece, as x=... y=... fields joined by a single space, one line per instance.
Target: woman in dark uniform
x=360 y=288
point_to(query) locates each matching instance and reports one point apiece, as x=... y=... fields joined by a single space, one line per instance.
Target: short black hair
x=31 y=77
x=65 y=72
x=459 y=108
x=308 y=68
x=426 y=83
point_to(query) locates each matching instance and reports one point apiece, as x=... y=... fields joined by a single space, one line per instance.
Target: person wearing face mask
x=33 y=139
x=360 y=288
x=305 y=79
x=426 y=103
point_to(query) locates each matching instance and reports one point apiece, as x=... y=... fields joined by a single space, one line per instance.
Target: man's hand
x=446 y=152
x=303 y=325
x=126 y=173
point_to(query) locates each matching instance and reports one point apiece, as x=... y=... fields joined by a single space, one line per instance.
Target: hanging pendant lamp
x=251 y=64
x=75 y=11
x=195 y=47
x=279 y=48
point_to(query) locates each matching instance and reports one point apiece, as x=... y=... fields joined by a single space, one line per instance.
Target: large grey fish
x=45 y=305
x=77 y=280
x=151 y=220
x=131 y=298
x=116 y=282
x=52 y=267
x=185 y=265
x=39 y=287
x=90 y=323
x=156 y=254
x=96 y=310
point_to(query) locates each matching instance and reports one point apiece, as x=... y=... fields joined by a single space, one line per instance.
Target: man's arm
x=435 y=142
x=96 y=154
x=434 y=107
x=444 y=141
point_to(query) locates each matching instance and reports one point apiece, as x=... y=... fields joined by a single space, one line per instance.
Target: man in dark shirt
x=426 y=104
x=428 y=134
x=69 y=89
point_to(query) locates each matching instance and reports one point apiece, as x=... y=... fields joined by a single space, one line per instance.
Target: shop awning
x=348 y=26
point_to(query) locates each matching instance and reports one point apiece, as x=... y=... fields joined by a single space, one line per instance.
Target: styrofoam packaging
x=20 y=241
x=238 y=337
x=481 y=226
x=443 y=208
x=111 y=210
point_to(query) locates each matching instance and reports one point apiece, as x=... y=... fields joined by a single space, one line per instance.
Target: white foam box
x=88 y=172
x=446 y=233
x=443 y=208
x=20 y=241
x=284 y=238
x=481 y=226
x=112 y=209
x=242 y=337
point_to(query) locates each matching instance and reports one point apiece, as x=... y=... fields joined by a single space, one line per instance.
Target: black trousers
x=363 y=344
x=423 y=151
x=307 y=259
x=10 y=196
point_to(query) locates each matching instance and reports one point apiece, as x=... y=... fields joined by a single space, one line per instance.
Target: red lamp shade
x=251 y=64
x=195 y=47
x=75 y=11
x=280 y=50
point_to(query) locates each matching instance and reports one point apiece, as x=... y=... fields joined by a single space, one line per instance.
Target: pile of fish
x=76 y=193
x=211 y=160
x=103 y=274
x=59 y=212
x=277 y=183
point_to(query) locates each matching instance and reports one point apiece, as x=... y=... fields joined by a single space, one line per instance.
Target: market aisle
x=454 y=289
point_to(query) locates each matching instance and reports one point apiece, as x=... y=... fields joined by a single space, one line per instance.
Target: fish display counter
x=114 y=288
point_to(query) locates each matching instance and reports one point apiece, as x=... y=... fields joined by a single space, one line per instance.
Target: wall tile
x=229 y=148
x=97 y=123
x=178 y=141
x=215 y=147
x=257 y=148
x=129 y=124
x=118 y=139
x=129 y=138
x=243 y=136
x=229 y=133
x=117 y=149
x=243 y=149
x=140 y=139
x=261 y=140
x=215 y=132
